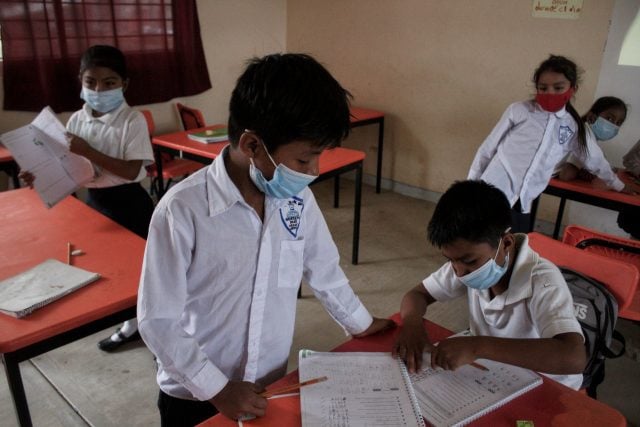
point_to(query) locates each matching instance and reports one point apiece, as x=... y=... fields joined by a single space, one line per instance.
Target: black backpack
x=597 y=311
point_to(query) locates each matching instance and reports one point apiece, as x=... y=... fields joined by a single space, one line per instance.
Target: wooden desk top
x=550 y=404
x=32 y=233
x=598 y=188
x=359 y=114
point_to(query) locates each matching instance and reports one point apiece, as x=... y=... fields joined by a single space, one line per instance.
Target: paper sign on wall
x=561 y=9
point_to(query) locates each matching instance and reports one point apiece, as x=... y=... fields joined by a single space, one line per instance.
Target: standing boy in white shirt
x=229 y=246
x=520 y=307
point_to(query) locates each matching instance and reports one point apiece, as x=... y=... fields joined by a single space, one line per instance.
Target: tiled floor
x=78 y=385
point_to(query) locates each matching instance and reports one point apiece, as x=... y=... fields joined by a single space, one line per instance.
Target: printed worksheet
x=41 y=148
x=362 y=389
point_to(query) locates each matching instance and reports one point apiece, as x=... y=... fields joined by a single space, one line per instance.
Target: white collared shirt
x=520 y=154
x=121 y=133
x=537 y=303
x=218 y=292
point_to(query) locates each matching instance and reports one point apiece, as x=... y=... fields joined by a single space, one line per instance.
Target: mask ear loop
x=263 y=146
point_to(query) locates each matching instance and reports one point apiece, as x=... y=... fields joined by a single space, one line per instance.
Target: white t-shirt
x=218 y=292
x=537 y=303
x=520 y=154
x=121 y=133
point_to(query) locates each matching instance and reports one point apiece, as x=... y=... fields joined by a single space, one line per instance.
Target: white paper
x=41 y=149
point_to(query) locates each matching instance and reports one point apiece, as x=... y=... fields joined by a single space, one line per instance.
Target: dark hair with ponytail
x=565 y=66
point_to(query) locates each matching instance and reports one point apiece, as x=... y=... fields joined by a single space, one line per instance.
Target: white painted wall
x=622 y=81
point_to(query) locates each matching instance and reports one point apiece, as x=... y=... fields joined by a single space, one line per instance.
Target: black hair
x=565 y=66
x=606 y=103
x=471 y=210
x=104 y=56
x=287 y=97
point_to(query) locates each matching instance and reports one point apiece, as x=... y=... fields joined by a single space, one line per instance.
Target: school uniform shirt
x=537 y=303
x=121 y=133
x=218 y=292
x=599 y=169
x=520 y=154
x=631 y=160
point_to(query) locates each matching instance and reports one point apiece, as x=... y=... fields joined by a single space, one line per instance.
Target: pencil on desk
x=292 y=387
x=69 y=253
x=479 y=366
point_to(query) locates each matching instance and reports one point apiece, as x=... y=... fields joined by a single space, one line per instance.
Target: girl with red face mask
x=532 y=137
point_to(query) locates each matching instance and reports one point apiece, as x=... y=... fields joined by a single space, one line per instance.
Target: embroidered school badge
x=290 y=215
x=564 y=134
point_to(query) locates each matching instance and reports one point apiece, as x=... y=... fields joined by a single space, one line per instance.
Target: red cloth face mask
x=553 y=102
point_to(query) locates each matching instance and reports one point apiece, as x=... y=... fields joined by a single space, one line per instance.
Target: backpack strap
x=608 y=352
x=594 y=241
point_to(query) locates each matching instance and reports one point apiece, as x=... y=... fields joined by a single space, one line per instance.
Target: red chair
x=191 y=118
x=621 y=278
x=172 y=167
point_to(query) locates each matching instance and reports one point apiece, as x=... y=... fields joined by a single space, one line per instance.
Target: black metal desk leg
x=356 y=215
x=12 y=369
x=379 y=165
x=556 y=229
x=159 y=180
x=336 y=191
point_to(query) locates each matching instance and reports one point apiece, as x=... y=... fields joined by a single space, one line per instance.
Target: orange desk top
x=329 y=159
x=32 y=233
x=5 y=155
x=550 y=404
x=598 y=188
x=359 y=114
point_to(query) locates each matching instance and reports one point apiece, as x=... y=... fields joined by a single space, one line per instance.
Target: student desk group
x=31 y=233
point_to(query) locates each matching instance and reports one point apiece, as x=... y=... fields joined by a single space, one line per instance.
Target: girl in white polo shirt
x=520 y=155
x=115 y=138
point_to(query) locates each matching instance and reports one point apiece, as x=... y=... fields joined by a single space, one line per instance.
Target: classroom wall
x=442 y=71
x=232 y=31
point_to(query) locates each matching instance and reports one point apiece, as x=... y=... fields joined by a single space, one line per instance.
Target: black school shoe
x=109 y=345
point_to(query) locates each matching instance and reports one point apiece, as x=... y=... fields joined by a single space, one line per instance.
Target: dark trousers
x=176 y=412
x=520 y=222
x=129 y=205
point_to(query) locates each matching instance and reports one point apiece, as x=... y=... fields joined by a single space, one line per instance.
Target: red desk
x=593 y=193
x=550 y=404
x=8 y=165
x=363 y=117
x=333 y=163
x=32 y=233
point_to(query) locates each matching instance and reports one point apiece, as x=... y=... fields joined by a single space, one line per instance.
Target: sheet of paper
x=40 y=148
x=362 y=389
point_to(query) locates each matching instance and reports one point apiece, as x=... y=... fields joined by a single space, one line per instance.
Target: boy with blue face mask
x=520 y=308
x=229 y=246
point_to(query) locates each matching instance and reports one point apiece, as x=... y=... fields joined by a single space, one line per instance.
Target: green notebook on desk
x=40 y=285
x=210 y=136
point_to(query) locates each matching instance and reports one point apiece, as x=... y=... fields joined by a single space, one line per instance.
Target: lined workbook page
x=362 y=389
x=449 y=398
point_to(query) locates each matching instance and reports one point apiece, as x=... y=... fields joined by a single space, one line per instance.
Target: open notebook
x=40 y=285
x=364 y=388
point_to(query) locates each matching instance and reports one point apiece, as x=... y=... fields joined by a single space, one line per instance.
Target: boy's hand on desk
x=454 y=352
x=411 y=342
x=27 y=177
x=378 y=325
x=631 y=189
x=239 y=398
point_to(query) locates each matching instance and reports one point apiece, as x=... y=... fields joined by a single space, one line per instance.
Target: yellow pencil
x=292 y=387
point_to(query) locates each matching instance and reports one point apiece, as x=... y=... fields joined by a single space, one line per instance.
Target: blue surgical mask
x=285 y=182
x=603 y=129
x=487 y=275
x=103 y=101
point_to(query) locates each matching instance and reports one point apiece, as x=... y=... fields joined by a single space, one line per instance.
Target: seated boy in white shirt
x=520 y=308
x=229 y=246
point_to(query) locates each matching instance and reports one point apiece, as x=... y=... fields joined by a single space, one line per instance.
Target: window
x=630 y=52
x=44 y=40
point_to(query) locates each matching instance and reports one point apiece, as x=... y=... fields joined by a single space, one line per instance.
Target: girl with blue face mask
x=602 y=121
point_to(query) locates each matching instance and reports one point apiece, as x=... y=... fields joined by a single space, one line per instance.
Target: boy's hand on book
x=452 y=353
x=240 y=398
x=411 y=342
x=378 y=325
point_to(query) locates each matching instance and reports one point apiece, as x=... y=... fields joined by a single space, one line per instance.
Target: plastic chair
x=172 y=167
x=191 y=118
x=609 y=246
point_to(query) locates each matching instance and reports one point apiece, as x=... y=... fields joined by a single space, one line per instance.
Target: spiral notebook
x=455 y=398
x=362 y=389
x=46 y=282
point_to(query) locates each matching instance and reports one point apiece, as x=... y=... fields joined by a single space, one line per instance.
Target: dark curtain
x=42 y=42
